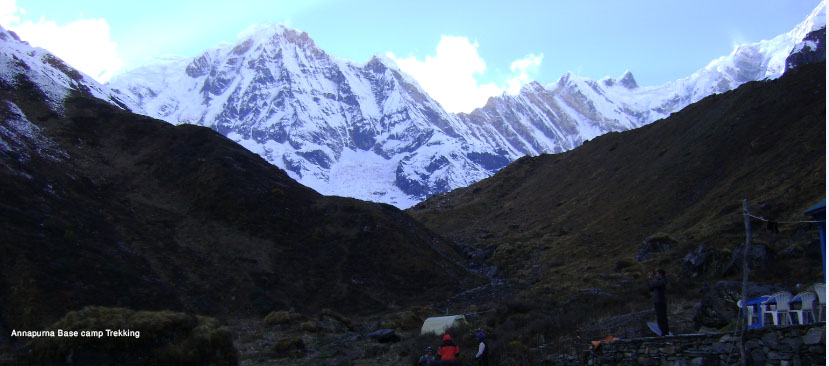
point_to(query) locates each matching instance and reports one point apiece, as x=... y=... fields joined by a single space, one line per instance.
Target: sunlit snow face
x=360 y=130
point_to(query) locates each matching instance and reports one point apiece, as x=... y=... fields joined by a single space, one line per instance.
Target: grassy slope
x=147 y=215
x=558 y=224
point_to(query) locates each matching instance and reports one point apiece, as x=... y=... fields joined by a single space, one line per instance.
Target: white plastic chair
x=807 y=299
x=820 y=290
x=751 y=317
x=781 y=307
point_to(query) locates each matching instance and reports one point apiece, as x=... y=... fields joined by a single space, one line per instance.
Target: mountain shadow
x=99 y=206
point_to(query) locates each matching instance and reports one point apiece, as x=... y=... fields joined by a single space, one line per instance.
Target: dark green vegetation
x=566 y=229
x=166 y=337
x=99 y=206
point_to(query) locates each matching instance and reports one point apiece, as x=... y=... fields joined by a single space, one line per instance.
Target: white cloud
x=8 y=12
x=84 y=44
x=527 y=69
x=450 y=76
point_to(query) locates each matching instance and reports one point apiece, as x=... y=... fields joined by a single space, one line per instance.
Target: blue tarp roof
x=816 y=209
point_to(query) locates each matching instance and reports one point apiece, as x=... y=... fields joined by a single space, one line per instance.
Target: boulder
x=814 y=336
x=759 y=256
x=703 y=261
x=654 y=244
x=333 y=322
x=770 y=340
x=792 y=344
x=758 y=357
x=384 y=336
x=289 y=346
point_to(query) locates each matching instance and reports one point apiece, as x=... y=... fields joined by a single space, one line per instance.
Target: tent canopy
x=439 y=324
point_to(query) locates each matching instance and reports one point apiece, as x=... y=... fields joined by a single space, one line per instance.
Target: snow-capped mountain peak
x=532 y=87
x=264 y=31
x=764 y=59
x=369 y=131
x=276 y=93
x=816 y=20
x=628 y=81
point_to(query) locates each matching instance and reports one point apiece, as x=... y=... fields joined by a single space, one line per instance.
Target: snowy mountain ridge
x=23 y=67
x=562 y=115
x=316 y=116
x=54 y=78
x=370 y=131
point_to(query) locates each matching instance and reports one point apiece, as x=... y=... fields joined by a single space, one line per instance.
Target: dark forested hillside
x=99 y=206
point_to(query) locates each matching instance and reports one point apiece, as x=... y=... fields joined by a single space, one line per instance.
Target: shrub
x=281 y=318
x=289 y=346
x=328 y=313
x=154 y=337
x=623 y=263
x=310 y=326
x=406 y=320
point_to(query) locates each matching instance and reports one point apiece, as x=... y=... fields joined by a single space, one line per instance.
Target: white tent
x=439 y=324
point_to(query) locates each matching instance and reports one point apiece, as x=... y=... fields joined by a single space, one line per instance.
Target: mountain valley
x=197 y=225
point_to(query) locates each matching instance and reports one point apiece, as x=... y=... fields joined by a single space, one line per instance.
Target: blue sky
x=500 y=44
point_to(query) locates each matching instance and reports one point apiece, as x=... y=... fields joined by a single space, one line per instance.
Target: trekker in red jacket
x=448 y=351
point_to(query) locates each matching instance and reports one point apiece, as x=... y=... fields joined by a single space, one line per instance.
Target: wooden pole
x=744 y=312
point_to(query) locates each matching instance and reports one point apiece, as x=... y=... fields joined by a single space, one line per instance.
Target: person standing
x=657 y=284
x=483 y=350
x=448 y=351
x=428 y=359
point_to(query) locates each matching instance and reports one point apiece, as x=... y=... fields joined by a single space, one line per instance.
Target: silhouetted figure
x=657 y=284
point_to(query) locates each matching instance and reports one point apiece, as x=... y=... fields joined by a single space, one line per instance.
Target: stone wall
x=778 y=346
